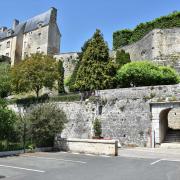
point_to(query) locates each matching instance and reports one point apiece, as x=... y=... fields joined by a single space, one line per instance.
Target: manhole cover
x=2 y=177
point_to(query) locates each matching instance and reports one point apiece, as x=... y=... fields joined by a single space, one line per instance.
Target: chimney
x=53 y=15
x=15 y=23
x=3 y=29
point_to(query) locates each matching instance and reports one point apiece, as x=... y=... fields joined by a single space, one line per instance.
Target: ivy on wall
x=126 y=36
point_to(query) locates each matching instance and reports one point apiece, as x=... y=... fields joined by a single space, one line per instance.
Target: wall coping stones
x=101 y=141
x=87 y=146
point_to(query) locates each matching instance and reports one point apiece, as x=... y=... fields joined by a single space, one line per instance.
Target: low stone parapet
x=88 y=146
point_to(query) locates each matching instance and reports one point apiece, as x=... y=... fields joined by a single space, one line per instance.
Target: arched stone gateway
x=165 y=123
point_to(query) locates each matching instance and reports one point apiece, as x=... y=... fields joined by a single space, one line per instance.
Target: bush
x=26 y=102
x=7 y=122
x=97 y=128
x=145 y=73
x=4 y=146
x=5 y=80
x=66 y=98
x=46 y=120
x=125 y=37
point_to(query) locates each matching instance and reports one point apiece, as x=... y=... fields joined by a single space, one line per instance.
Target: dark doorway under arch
x=168 y=133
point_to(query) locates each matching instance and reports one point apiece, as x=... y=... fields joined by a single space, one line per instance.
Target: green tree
x=47 y=120
x=61 y=78
x=34 y=73
x=96 y=71
x=72 y=79
x=144 y=73
x=97 y=128
x=5 y=79
x=7 y=122
x=122 y=58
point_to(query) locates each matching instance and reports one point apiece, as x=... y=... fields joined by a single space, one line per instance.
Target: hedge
x=45 y=98
x=144 y=73
x=126 y=37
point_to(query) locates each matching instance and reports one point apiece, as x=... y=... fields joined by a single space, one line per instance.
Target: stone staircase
x=173 y=136
x=172 y=140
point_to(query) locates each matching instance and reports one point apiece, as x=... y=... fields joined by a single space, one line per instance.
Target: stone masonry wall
x=125 y=113
x=69 y=62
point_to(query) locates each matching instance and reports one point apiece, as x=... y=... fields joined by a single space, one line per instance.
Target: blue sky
x=78 y=19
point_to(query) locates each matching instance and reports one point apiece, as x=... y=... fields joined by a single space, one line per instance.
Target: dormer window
x=40 y=24
x=8 y=44
x=39 y=35
x=10 y=32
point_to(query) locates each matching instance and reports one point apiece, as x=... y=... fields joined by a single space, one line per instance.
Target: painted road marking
x=55 y=159
x=156 y=161
x=21 y=168
x=170 y=160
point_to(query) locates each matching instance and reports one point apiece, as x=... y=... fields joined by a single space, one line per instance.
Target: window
x=8 y=44
x=39 y=35
x=25 y=54
x=0 y=46
x=25 y=44
x=38 y=50
x=7 y=54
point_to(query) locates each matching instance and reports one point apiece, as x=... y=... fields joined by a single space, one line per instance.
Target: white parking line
x=170 y=160
x=55 y=159
x=21 y=168
x=156 y=161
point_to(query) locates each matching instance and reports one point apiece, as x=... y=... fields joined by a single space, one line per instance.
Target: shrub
x=7 y=122
x=145 y=73
x=97 y=128
x=26 y=102
x=125 y=37
x=46 y=120
x=5 y=80
x=66 y=98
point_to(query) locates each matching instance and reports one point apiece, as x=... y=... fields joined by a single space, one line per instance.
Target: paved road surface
x=66 y=166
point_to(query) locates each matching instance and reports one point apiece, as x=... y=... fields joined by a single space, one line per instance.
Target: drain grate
x=2 y=177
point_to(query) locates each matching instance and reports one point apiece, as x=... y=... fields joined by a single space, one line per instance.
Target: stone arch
x=160 y=112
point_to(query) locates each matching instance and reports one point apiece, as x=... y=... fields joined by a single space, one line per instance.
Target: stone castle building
x=161 y=46
x=38 y=34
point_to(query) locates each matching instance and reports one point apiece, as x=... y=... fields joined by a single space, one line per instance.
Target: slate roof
x=29 y=25
x=43 y=18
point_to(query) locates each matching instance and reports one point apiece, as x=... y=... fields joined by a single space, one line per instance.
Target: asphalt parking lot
x=67 y=166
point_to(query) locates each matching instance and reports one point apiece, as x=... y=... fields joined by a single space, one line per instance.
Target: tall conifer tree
x=96 y=71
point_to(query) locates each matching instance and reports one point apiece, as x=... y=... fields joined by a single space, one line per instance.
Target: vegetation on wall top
x=127 y=36
x=144 y=73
